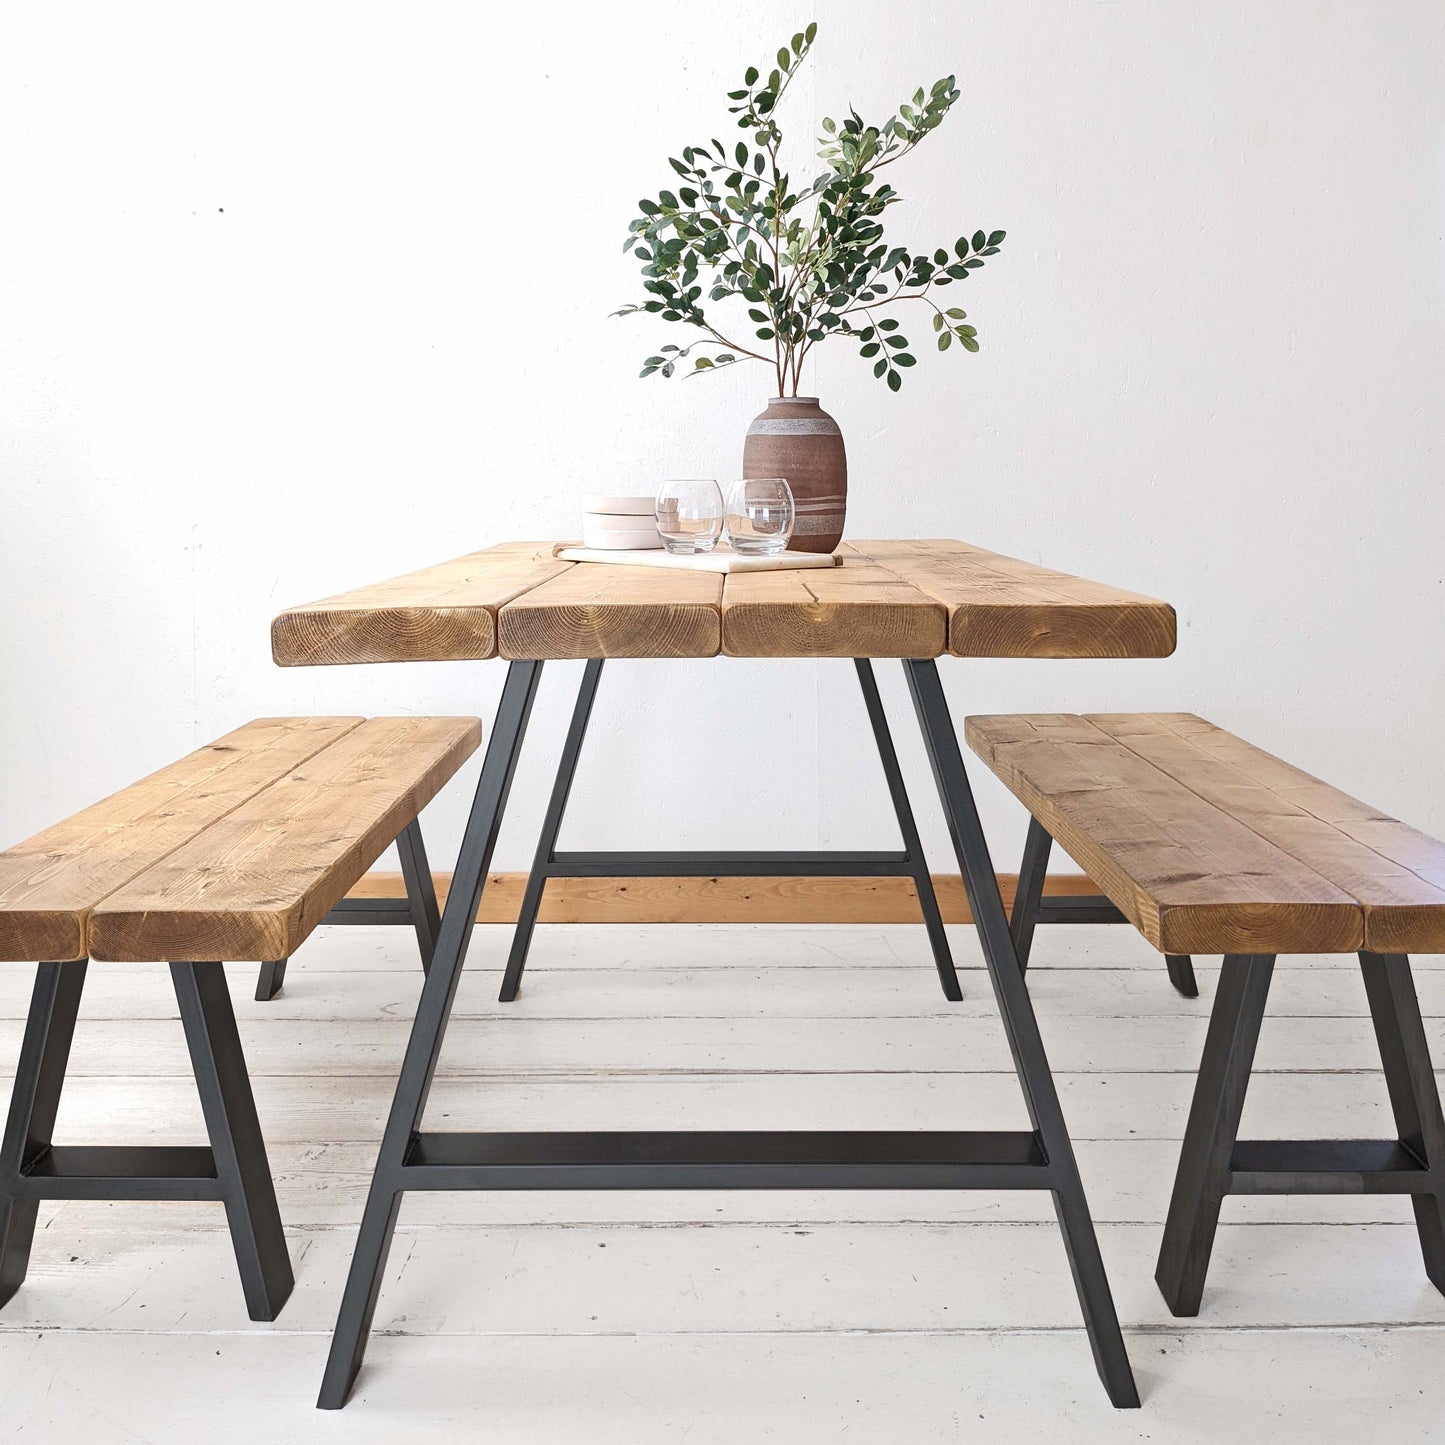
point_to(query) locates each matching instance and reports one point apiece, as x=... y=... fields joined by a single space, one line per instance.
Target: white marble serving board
x=722 y=559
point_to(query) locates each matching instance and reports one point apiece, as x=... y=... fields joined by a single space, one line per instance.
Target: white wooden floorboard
x=738 y=1317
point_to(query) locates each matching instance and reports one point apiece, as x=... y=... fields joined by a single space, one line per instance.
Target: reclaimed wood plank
x=446 y=612
x=1394 y=871
x=255 y=883
x=50 y=883
x=1191 y=877
x=857 y=609
x=1003 y=607
x=595 y=611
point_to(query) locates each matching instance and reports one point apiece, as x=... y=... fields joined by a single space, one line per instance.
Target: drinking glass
x=760 y=516
x=689 y=515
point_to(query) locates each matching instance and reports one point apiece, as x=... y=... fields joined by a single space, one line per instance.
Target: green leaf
x=881 y=367
x=894 y=380
x=945 y=341
x=979 y=240
x=798 y=43
x=888 y=324
x=940 y=257
x=742 y=154
x=765 y=333
x=810 y=32
x=897 y=341
x=751 y=78
x=702 y=364
x=904 y=359
x=995 y=238
x=958 y=313
x=870 y=350
x=961 y=247
x=937 y=322
x=968 y=343
x=784 y=60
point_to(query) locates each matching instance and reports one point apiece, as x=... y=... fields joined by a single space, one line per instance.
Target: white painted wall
x=297 y=296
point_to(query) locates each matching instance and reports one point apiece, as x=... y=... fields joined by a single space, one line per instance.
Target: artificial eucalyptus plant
x=810 y=261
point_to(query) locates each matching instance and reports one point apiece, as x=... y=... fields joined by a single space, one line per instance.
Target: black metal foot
x=1181 y=973
x=270 y=979
x=236 y=1143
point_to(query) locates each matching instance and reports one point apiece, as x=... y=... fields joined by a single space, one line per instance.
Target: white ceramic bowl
x=619 y=534
x=619 y=506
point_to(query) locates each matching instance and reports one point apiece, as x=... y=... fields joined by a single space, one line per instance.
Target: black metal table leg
x=421 y=895
x=1205 y=1158
x=1016 y=1010
x=912 y=844
x=551 y=827
x=1414 y=1095
x=1032 y=871
x=363 y=1283
x=236 y=1143
x=39 y=1076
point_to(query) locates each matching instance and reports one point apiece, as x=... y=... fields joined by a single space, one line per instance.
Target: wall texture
x=297 y=296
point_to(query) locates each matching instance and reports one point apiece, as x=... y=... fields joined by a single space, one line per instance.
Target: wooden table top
x=885 y=599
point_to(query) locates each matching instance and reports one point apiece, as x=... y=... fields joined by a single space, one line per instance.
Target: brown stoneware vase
x=796 y=439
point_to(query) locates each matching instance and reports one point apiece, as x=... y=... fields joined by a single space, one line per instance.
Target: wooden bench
x=236 y=852
x=1209 y=845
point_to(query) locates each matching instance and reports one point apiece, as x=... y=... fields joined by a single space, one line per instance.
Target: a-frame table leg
x=358 y=1304
x=1016 y=1010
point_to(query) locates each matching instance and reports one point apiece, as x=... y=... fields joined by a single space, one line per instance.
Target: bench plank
x=1191 y=877
x=255 y=883
x=49 y=884
x=1395 y=872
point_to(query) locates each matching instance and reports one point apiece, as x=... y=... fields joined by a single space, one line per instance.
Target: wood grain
x=1395 y=872
x=445 y=613
x=50 y=883
x=255 y=883
x=887 y=599
x=857 y=609
x=1002 y=607
x=1188 y=874
x=594 y=611
x=724 y=900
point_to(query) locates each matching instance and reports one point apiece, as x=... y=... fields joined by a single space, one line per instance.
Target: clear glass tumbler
x=689 y=515
x=760 y=516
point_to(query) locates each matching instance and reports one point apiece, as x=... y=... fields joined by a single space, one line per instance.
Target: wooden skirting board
x=722 y=900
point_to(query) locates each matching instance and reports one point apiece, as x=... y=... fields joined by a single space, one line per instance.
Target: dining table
x=914 y=601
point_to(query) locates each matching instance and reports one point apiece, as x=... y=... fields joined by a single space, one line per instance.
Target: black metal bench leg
x=378 y=1222
x=1016 y=1010
x=1414 y=1095
x=912 y=844
x=420 y=890
x=1181 y=973
x=1032 y=872
x=39 y=1076
x=270 y=979
x=235 y=1131
x=551 y=827
x=1202 y=1179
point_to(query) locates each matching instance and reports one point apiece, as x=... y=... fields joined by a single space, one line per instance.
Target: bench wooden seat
x=234 y=853
x=1210 y=845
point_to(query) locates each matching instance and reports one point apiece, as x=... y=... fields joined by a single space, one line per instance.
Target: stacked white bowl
x=619 y=524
